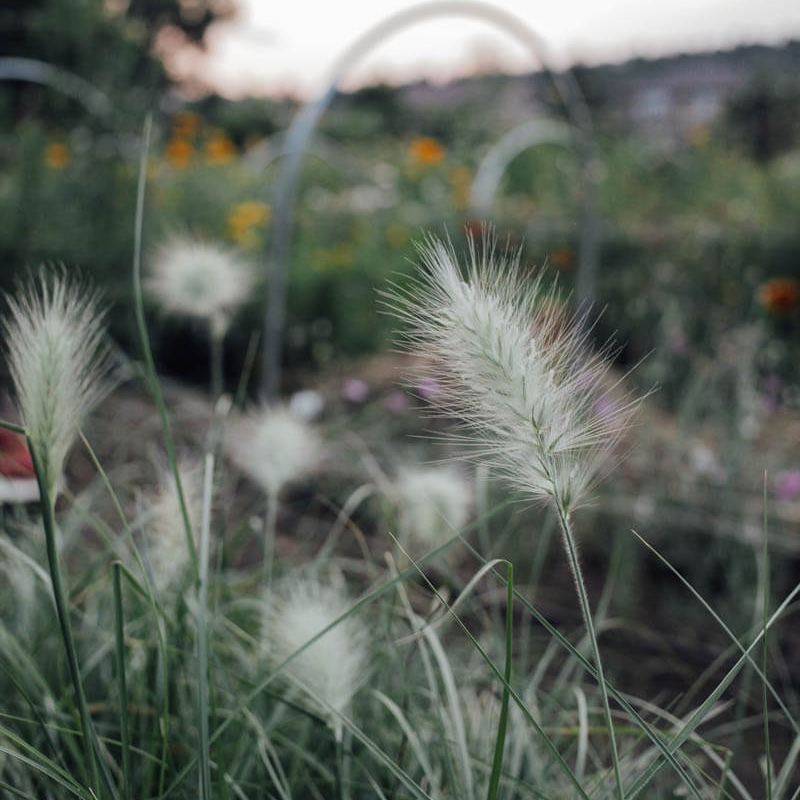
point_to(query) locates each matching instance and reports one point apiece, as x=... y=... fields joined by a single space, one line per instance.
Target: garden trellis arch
x=502 y=153
x=32 y=70
x=306 y=120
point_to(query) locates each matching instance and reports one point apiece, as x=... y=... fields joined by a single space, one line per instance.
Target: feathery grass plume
x=167 y=551
x=58 y=362
x=274 y=447
x=516 y=368
x=200 y=279
x=434 y=503
x=333 y=668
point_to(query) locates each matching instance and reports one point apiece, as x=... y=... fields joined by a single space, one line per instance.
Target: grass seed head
x=516 y=368
x=332 y=669
x=193 y=278
x=54 y=332
x=274 y=447
x=434 y=503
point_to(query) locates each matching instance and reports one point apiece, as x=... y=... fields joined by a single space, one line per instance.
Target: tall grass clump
x=58 y=362
x=519 y=372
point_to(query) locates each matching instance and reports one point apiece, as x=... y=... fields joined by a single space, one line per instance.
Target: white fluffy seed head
x=274 y=447
x=200 y=279
x=434 y=503
x=332 y=669
x=516 y=367
x=166 y=535
x=59 y=363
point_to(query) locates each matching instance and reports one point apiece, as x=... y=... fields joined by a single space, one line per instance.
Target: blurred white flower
x=434 y=503
x=274 y=447
x=58 y=363
x=330 y=670
x=168 y=552
x=516 y=368
x=200 y=279
x=306 y=404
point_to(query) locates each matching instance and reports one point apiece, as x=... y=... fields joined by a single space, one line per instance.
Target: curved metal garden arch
x=494 y=164
x=305 y=122
x=32 y=70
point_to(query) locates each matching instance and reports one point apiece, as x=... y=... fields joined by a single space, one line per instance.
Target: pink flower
x=396 y=402
x=787 y=485
x=355 y=390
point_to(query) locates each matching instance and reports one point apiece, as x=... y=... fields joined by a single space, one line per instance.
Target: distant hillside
x=664 y=96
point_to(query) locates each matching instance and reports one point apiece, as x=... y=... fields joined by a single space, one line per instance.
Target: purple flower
x=355 y=390
x=772 y=390
x=396 y=402
x=787 y=485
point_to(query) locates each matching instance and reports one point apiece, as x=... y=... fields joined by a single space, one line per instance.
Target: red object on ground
x=15 y=458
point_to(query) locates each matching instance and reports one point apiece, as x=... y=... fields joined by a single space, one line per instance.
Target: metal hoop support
x=304 y=124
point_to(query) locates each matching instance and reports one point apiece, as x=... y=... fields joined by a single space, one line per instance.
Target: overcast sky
x=290 y=47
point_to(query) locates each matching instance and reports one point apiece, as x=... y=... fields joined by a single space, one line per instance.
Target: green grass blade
x=497 y=760
x=764 y=653
x=62 y=613
x=775 y=694
x=144 y=338
x=702 y=711
x=646 y=728
x=119 y=631
x=202 y=633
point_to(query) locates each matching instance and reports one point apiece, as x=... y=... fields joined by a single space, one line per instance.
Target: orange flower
x=220 y=149
x=185 y=124
x=179 y=152
x=56 y=155
x=427 y=151
x=780 y=296
x=563 y=257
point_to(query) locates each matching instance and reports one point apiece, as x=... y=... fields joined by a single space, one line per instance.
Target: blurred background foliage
x=699 y=274
x=698 y=192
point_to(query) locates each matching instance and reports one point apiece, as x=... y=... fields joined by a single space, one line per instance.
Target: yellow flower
x=179 y=152
x=338 y=256
x=427 y=151
x=220 y=149
x=244 y=218
x=56 y=155
x=461 y=181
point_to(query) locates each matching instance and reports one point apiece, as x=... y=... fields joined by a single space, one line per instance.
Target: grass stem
x=572 y=553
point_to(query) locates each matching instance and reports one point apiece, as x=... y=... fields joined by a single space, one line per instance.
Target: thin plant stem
x=119 y=631
x=152 y=375
x=502 y=726
x=270 y=518
x=572 y=554
x=202 y=634
x=49 y=524
x=765 y=610
x=217 y=356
